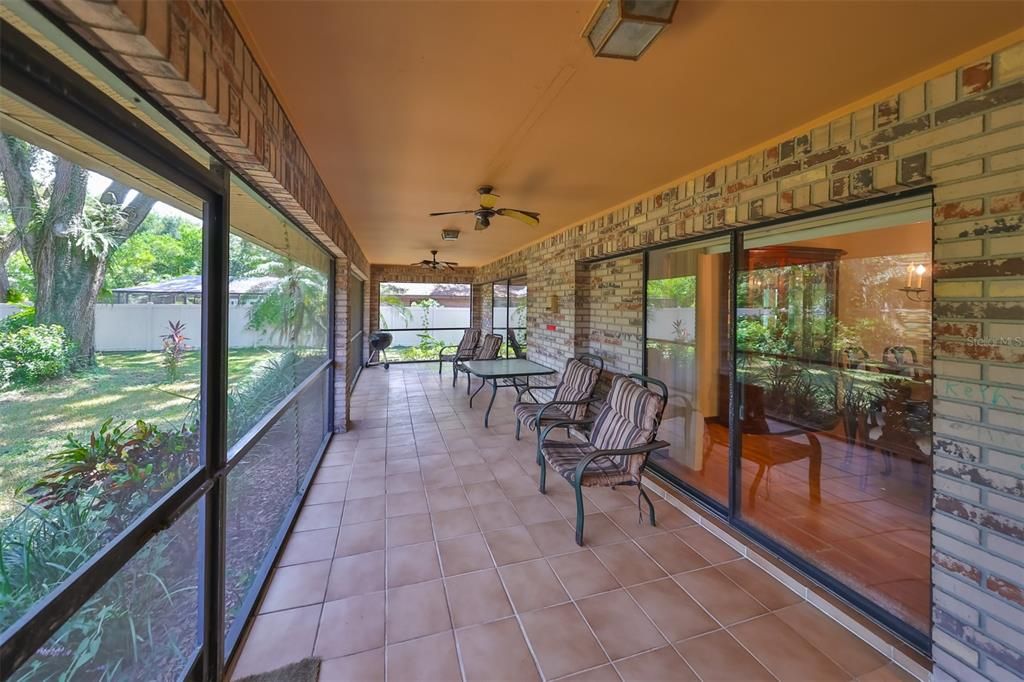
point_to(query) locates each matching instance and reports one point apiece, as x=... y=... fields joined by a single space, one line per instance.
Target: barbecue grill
x=379 y=342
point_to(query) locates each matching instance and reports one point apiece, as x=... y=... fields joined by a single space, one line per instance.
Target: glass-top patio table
x=493 y=371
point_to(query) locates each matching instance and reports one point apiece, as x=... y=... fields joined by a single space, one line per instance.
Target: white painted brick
x=938 y=136
x=991 y=184
x=1006 y=138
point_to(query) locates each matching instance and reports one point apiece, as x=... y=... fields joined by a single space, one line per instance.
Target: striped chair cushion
x=489 y=348
x=629 y=416
x=564 y=456
x=526 y=414
x=578 y=382
x=468 y=343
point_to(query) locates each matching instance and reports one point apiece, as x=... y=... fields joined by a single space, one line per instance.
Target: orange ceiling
x=405 y=107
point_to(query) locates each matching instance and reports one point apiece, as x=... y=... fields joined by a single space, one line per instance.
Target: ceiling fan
x=487 y=210
x=435 y=264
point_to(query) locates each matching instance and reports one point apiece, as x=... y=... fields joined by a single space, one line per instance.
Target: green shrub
x=33 y=354
x=26 y=317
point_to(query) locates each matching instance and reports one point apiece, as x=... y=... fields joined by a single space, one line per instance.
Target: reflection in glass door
x=688 y=349
x=834 y=370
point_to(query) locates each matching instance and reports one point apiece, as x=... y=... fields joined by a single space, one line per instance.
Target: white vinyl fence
x=139 y=326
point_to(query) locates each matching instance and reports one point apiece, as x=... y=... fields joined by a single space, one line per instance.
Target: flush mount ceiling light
x=449 y=234
x=624 y=29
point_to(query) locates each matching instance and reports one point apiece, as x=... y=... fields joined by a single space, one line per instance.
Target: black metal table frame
x=493 y=380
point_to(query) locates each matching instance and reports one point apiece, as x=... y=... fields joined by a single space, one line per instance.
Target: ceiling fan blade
x=449 y=263
x=452 y=212
x=528 y=217
x=480 y=225
x=488 y=200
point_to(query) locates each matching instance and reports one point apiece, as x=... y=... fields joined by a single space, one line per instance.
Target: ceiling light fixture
x=624 y=29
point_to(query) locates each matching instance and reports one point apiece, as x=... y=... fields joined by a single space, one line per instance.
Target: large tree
x=67 y=236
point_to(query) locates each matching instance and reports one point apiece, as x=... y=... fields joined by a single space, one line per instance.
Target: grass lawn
x=35 y=421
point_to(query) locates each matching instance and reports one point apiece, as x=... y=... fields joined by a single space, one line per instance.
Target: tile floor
x=425 y=552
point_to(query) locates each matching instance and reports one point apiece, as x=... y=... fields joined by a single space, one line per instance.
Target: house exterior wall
x=191 y=58
x=962 y=132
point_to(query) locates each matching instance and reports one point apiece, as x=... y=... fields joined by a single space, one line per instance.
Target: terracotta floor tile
x=511 y=545
x=440 y=478
x=412 y=564
x=628 y=520
x=348 y=626
x=475 y=598
x=362 y=511
x=582 y=574
x=598 y=530
x=607 y=499
x=672 y=610
x=454 y=522
x=562 y=641
x=620 y=625
x=317 y=516
x=320 y=493
x=759 y=584
x=367 y=470
x=890 y=672
x=850 y=652
x=535 y=509
x=660 y=664
x=532 y=585
x=409 y=530
x=628 y=563
x=332 y=474
x=360 y=538
x=719 y=596
x=474 y=473
x=520 y=485
x=495 y=515
x=496 y=651
x=444 y=499
x=310 y=545
x=427 y=659
x=669 y=517
x=554 y=537
x=404 y=504
x=359 y=488
x=707 y=545
x=299 y=585
x=416 y=611
x=356 y=574
x=464 y=554
x=365 y=666
x=602 y=673
x=404 y=482
x=485 y=492
x=784 y=652
x=276 y=639
x=671 y=553
x=718 y=657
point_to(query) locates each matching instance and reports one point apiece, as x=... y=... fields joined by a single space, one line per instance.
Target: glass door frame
x=35 y=76
x=732 y=512
x=507 y=283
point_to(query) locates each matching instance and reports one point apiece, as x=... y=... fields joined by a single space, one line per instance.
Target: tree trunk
x=73 y=281
x=8 y=246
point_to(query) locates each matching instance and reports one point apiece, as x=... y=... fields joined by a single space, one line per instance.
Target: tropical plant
x=32 y=354
x=174 y=348
x=294 y=305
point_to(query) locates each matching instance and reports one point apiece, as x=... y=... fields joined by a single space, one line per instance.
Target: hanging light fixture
x=624 y=29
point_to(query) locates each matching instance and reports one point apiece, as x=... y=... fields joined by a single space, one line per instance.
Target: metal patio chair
x=513 y=342
x=622 y=437
x=488 y=350
x=573 y=393
x=463 y=351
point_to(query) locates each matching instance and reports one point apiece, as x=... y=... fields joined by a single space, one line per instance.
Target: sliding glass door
x=829 y=420
x=508 y=315
x=687 y=347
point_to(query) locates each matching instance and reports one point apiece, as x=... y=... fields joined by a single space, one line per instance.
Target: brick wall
x=191 y=58
x=963 y=132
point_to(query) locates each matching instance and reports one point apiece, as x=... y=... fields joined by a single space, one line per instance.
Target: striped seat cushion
x=578 y=382
x=629 y=418
x=468 y=343
x=526 y=414
x=564 y=457
x=489 y=348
